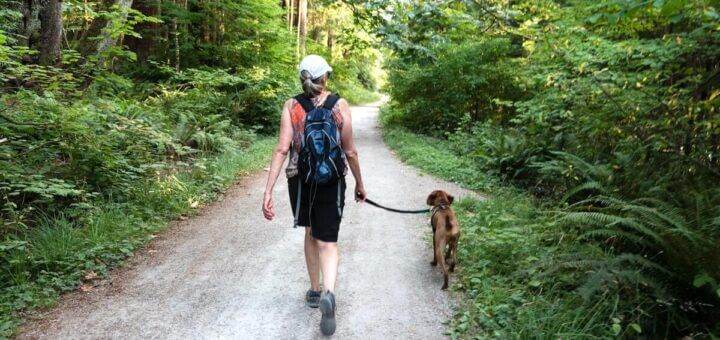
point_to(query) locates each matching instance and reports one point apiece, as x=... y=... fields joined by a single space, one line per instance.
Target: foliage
x=611 y=118
x=351 y=52
x=152 y=109
x=431 y=154
x=60 y=252
x=471 y=79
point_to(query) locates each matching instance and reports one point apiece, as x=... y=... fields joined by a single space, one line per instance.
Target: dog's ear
x=431 y=198
x=451 y=198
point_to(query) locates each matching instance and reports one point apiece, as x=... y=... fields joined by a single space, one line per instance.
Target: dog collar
x=437 y=208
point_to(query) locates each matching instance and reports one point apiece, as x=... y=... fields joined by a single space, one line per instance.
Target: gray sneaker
x=312 y=298
x=327 y=307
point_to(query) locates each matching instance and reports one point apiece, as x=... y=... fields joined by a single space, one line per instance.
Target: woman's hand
x=360 y=193
x=268 y=209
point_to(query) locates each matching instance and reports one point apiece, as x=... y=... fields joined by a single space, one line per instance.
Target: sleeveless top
x=297 y=117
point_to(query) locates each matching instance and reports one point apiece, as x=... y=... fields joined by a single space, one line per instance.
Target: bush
x=472 y=79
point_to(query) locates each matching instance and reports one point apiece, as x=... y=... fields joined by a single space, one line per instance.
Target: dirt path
x=228 y=273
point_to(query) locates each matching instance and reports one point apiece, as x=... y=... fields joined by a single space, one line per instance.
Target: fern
x=591 y=186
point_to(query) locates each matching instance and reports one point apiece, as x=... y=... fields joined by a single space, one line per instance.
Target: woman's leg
x=329 y=263
x=312 y=260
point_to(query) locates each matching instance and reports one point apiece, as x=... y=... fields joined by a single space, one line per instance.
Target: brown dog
x=446 y=231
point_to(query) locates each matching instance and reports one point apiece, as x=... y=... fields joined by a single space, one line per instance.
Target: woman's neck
x=320 y=97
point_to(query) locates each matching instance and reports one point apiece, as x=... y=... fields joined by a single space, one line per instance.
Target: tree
x=144 y=46
x=50 y=31
x=109 y=39
x=302 y=27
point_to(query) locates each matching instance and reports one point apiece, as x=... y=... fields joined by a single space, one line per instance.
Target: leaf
x=594 y=18
x=616 y=329
x=672 y=8
x=703 y=279
x=636 y=328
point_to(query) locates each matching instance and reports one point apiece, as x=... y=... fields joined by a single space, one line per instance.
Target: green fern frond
x=608 y=233
x=588 y=218
x=587 y=186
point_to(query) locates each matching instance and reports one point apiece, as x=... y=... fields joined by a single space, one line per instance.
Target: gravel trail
x=230 y=274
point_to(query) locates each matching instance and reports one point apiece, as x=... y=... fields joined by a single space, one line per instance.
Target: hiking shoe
x=312 y=298
x=327 y=307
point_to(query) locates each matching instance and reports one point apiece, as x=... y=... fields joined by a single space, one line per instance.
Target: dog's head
x=439 y=197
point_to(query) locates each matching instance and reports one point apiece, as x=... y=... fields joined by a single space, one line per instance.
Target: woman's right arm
x=278 y=158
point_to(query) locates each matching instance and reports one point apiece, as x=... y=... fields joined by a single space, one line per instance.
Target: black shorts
x=321 y=207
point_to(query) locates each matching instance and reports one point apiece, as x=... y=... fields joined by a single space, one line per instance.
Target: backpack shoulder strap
x=330 y=101
x=305 y=102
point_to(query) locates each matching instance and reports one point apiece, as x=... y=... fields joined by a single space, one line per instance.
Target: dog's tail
x=447 y=222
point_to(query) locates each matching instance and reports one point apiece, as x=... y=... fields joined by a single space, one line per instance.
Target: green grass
x=54 y=257
x=433 y=156
x=506 y=243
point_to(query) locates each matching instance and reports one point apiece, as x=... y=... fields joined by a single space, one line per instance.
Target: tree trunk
x=88 y=43
x=291 y=11
x=330 y=42
x=50 y=31
x=302 y=26
x=30 y=30
x=144 y=46
x=107 y=42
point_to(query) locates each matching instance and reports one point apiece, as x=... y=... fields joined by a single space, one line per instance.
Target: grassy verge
x=60 y=255
x=507 y=242
x=432 y=155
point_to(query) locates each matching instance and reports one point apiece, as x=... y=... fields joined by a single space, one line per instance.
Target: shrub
x=473 y=78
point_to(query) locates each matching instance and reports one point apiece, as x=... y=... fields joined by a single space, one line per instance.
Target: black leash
x=420 y=211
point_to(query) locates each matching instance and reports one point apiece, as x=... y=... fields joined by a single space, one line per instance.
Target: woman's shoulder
x=342 y=105
x=290 y=102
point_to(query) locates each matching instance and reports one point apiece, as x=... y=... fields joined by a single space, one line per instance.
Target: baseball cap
x=316 y=65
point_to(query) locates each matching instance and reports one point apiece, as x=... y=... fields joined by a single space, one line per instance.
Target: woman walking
x=317 y=207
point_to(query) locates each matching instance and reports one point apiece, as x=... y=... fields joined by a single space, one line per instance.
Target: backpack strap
x=330 y=101
x=305 y=102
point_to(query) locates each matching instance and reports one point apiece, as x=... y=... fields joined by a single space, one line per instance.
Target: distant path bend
x=230 y=274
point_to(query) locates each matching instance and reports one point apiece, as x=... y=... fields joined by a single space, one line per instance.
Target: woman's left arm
x=278 y=158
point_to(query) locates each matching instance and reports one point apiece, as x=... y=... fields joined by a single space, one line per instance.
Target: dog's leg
x=453 y=247
x=440 y=256
x=434 y=261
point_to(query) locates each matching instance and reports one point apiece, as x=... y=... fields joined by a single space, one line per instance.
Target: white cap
x=316 y=65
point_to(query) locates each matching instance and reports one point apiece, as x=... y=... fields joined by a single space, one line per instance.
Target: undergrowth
x=527 y=272
x=62 y=253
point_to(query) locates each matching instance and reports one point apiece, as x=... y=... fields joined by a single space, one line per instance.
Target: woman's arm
x=278 y=158
x=348 y=145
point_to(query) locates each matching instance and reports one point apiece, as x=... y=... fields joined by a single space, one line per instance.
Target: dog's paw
x=433 y=263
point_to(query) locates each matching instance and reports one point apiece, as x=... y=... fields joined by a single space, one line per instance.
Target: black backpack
x=321 y=159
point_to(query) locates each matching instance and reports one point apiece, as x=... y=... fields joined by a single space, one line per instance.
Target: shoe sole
x=327 y=322
x=312 y=304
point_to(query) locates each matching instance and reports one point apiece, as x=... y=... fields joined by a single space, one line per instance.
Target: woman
x=321 y=251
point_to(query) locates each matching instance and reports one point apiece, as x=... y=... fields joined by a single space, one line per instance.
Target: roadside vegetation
x=117 y=116
x=594 y=126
